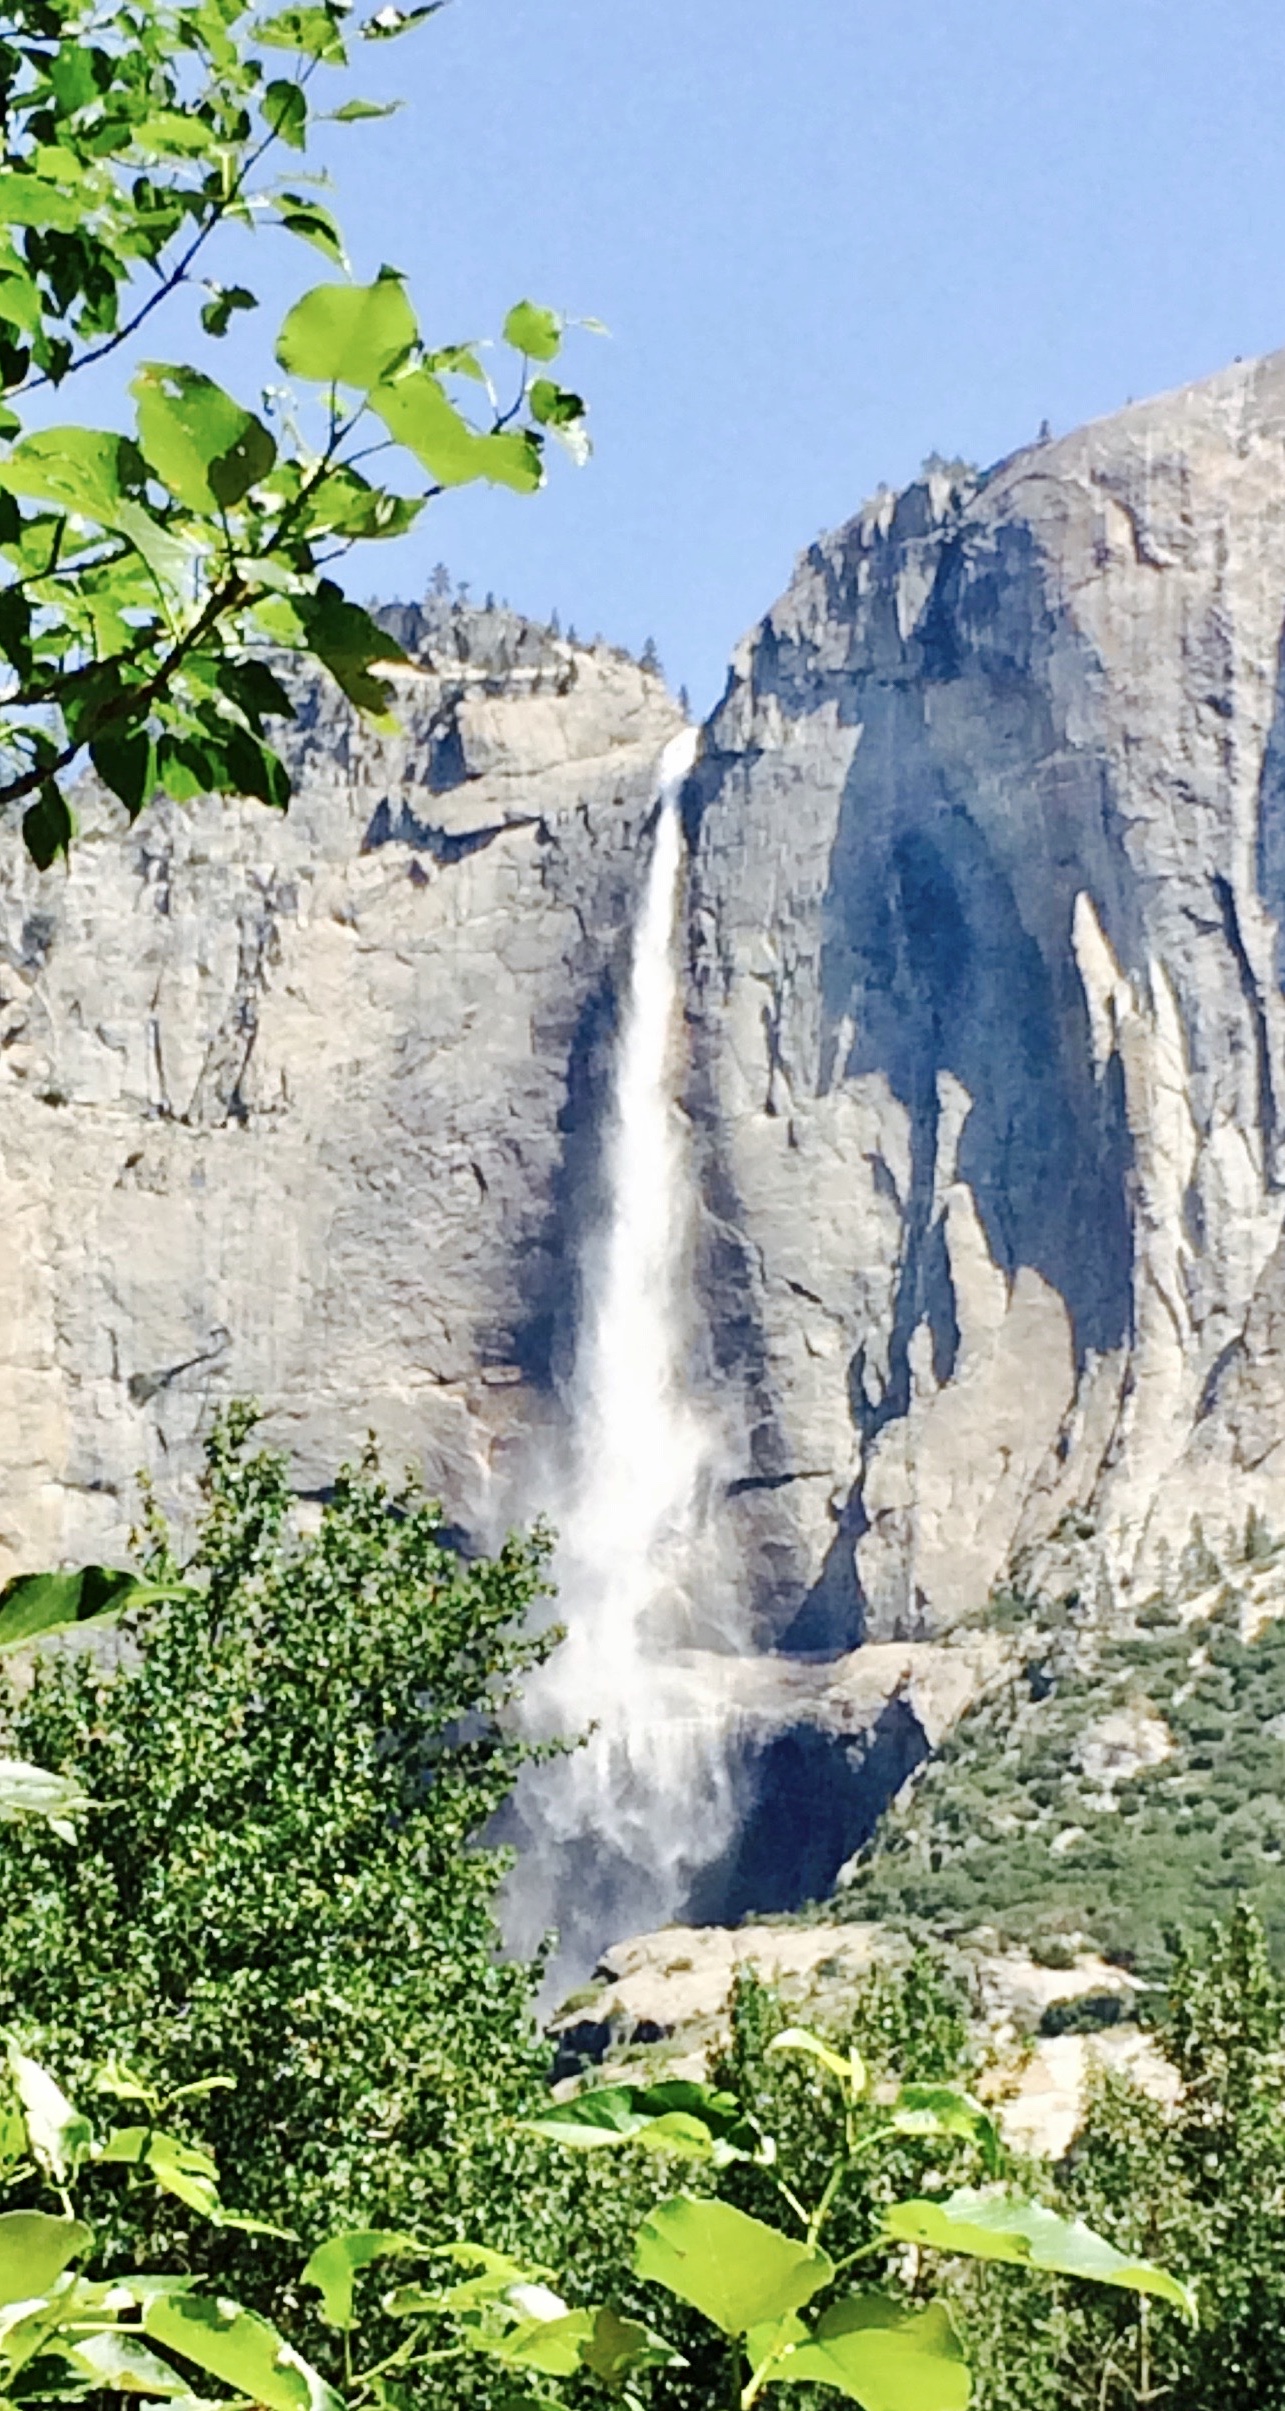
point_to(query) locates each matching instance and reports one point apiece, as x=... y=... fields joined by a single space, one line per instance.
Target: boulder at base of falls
x=660 y=2004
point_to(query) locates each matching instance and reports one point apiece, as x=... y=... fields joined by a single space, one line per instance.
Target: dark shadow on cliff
x=809 y=1799
x=970 y=819
x=946 y=950
x=927 y=956
x=1271 y=888
x=549 y=1270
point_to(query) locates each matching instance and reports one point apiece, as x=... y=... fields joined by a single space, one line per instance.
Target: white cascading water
x=615 y=1830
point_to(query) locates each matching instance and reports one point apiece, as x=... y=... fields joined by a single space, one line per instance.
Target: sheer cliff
x=989 y=872
x=302 y=1108
x=985 y=1063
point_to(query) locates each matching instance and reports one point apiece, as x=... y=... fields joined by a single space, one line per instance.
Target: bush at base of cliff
x=1014 y=1826
x=280 y=1881
x=1203 y=2184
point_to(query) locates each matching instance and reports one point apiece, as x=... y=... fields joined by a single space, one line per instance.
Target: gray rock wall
x=301 y=1107
x=988 y=1025
x=986 y=1059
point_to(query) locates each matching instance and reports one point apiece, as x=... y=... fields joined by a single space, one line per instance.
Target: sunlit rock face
x=986 y=960
x=984 y=1057
x=304 y=1107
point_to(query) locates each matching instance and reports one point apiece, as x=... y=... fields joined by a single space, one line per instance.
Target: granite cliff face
x=302 y=1108
x=988 y=1028
x=985 y=1064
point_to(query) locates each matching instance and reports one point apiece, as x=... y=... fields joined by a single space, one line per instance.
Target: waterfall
x=614 y=1830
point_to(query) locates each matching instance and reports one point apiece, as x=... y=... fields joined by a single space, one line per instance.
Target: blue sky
x=829 y=237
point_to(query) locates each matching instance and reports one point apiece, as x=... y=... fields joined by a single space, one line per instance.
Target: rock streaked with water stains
x=990 y=1040
x=301 y=1107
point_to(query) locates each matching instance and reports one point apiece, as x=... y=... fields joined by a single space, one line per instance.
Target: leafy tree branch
x=148 y=580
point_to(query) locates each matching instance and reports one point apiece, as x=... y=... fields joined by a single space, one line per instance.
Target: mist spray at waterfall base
x=614 y=1832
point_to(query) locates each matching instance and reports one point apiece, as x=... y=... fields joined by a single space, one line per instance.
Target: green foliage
x=1173 y=1846
x=884 y=2356
x=992 y=2227
x=64 y=2334
x=750 y=2278
x=281 y=1884
x=34 y=1605
x=739 y=2272
x=1201 y=2185
x=695 y=2121
x=142 y=572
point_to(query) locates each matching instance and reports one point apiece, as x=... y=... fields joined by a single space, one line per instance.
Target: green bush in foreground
x=291 y=1762
x=1201 y=2184
x=66 y=2335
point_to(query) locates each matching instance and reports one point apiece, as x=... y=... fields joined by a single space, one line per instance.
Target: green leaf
x=15 y=629
x=848 y=2066
x=20 y=303
x=686 y=2137
x=348 y=334
x=201 y=2087
x=456 y=360
x=34 y=2251
x=494 y=2275
x=511 y=460
x=254 y=689
x=121 y=2363
x=186 y=771
x=312 y=224
x=168 y=556
x=353 y=110
x=731 y=2267
x=285 y=111
x=34 y=1604
x=551 y=2342
x=693 y=2120
x=241 y=764
x=607 y=2116
x=174 y=134
x=313 y=31
x=553 y=405
x=239 y=2349
x=346 y=504
x=944 y=2110
x=123 y=2083
x=535 y=331
x=224 y=299
x=29 y=1791
x=202 y=444
x=390 y=20
x=48 y=826
x=415 y=410
x=616 y=2345
x=72 y=78
x=771 y=2341
x=126 y=763
x=334 y=2265
x=78 y=468
x=347 y=640
x=29 y=201
x=885 y=2356
x=59 y=2135
x=180 y=2168
x=994 y=2226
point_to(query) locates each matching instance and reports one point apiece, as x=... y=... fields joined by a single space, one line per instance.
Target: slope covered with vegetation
x=1127 y=1783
